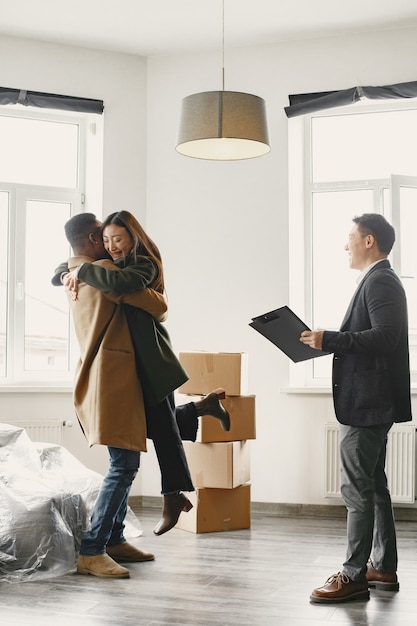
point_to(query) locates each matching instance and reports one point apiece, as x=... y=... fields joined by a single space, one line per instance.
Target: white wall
x=223 y=230
x=120 y=81
x=222 y=227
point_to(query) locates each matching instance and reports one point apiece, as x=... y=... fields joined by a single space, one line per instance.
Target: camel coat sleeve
x=108 y=397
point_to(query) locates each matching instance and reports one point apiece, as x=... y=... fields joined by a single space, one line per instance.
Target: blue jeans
x=107 y=519
x=370 y=519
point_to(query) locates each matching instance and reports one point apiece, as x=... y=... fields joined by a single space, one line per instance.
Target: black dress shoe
x=174 y=504
x=211 y=405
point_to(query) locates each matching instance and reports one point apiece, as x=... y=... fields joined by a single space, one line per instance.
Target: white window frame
x=86 y=196
x=301 y=191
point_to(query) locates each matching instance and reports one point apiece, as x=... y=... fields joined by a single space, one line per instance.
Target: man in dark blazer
x=371 y=390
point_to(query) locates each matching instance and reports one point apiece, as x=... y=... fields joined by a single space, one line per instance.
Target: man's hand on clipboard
x=312 y=338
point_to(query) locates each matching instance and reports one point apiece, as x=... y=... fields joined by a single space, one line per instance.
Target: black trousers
x=167 y=426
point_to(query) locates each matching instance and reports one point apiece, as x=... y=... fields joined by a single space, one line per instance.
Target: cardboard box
x=242 y=411
x=217 y=510
x=218 y=465
x=242 y=421
x=207 y=371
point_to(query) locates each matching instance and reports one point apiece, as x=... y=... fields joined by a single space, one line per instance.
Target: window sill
x=326 y=391
x=35 y=388
x=320 y=391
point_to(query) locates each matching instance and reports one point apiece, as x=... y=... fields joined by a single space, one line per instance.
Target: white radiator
x=46 y=431
x=400 y=464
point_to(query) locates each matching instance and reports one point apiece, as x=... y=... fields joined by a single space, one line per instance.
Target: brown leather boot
x=211 y=405
x=174 y=503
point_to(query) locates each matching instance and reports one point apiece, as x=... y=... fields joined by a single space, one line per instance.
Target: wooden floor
x=257 y=577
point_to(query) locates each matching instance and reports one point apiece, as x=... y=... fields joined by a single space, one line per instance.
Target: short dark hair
x=376 y=225
x=79 y=227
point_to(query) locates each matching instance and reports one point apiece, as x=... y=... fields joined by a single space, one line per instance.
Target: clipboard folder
x=283 y=328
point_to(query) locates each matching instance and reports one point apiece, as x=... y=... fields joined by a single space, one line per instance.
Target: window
x=43 y=178
x=345 y=162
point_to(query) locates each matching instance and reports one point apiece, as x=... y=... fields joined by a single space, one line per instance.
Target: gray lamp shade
x=223 y=126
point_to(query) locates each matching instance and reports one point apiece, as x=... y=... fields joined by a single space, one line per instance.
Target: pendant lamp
x=223 y=125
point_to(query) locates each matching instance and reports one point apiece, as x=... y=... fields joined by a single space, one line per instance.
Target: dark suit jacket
x=371 y=374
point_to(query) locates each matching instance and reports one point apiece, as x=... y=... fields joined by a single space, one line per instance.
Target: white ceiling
x=149 y=27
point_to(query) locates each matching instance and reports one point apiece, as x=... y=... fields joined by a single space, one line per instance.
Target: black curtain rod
x=50 y=101
x=301 y=104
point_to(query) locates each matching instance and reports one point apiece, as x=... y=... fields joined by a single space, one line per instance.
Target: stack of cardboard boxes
x=219 y=461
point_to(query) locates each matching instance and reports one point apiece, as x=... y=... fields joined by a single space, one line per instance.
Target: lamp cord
x=223 y=44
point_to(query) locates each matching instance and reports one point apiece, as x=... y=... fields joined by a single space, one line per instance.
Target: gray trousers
x=370 y=519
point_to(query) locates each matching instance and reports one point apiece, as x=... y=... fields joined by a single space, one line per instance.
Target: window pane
x=364 y=146
x=408 y=225
x=46 y=309
x=38 y=152
x=333 y=281
x=4 y=219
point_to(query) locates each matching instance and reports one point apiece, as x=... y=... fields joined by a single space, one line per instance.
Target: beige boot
x=101 y=565
x=126 y=553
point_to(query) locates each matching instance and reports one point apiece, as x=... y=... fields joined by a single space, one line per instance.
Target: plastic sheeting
x=46 y=498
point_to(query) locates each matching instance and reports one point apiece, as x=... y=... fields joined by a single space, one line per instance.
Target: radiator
x=47 y=431
x=400 y=463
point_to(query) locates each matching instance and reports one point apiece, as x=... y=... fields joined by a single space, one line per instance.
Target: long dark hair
x=142 y=243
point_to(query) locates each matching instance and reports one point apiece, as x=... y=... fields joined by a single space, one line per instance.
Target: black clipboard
x=283 y=328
